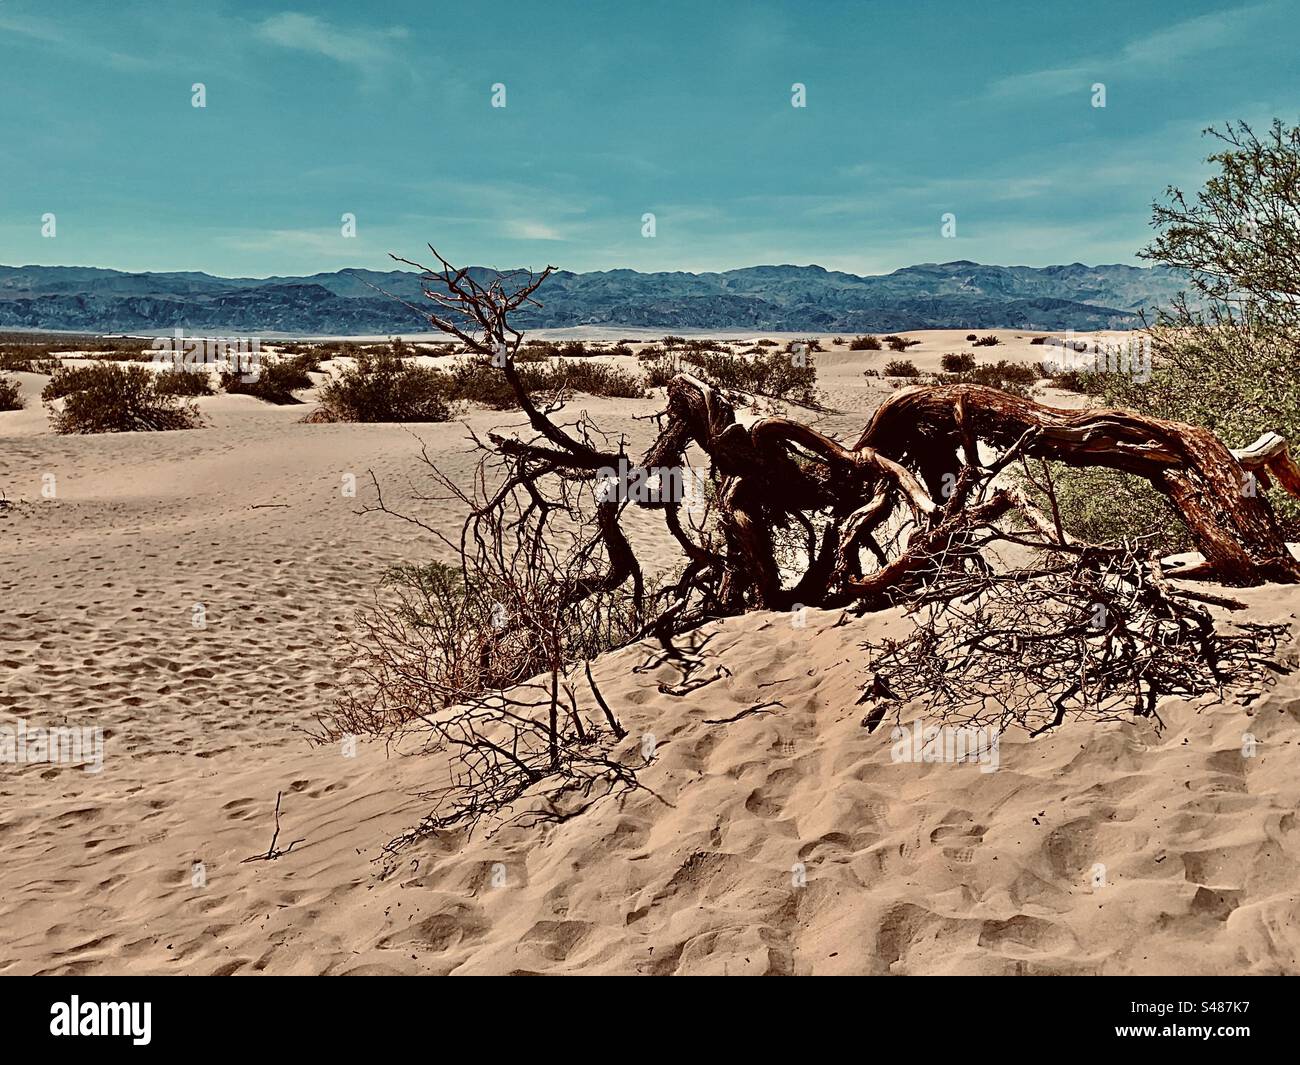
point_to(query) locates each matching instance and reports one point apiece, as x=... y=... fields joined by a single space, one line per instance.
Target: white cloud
x=308 y=33
x=1154 y=51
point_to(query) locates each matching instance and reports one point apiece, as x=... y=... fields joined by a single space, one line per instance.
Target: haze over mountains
x=958 y=294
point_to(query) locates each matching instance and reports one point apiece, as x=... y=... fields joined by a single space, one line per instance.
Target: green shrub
x=10 y=395
x=177 y=381
x=383 y=388
x=953 y=363
x=275 y=381
x=1100 y=505
x=110 y=398
x=900 y=368
x=69 y=379
x=24 y=362
x=1012 y=377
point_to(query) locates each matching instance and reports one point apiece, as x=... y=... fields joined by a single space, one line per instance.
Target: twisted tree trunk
x=1230 y=520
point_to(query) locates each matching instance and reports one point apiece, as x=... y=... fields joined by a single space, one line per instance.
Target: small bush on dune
x=1012 y=377
x=867 y=343
x=772 y=374
x=176 y=381
x=897 y=343
x=594 y=378
x=275 y=382
x=971 y=337
x=953 y=363
x=1038 y=340
x=1085 y=382
x=989 y=341
x=12 y=361
x=10 y=395
x=69 y=379
x=382 y=388
x=900 y=368
x=109 y=398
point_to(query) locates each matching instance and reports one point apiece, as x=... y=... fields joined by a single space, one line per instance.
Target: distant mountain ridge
x=960 y=294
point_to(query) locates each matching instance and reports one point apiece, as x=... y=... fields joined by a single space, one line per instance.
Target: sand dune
x=786 y=841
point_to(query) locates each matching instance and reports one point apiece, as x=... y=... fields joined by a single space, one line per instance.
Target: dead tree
x=908 y=514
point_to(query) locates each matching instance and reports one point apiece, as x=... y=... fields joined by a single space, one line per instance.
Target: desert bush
x=865 y=343
x=989 y=341
x=810 y=344
x=897 y=343
x=380 y=387
x=307 y=359
x=1106 y=506
x=25 y=362
x=1038 y=340
x=953 y=363
x=900 y=368
x=593 y=378
x=773 y=374
x=10 y=394
x=1012 y=377
x=971 y=337
x=69 y=379
x=1081 y=381
x=178 y=381
x=837 y=342
x=109 y=398
x=766 y=343
x=275 y=382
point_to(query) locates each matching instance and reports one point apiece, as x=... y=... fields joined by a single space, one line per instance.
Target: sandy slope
x=907 y=868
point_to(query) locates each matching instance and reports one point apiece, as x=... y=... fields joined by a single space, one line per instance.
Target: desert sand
x=780 y=842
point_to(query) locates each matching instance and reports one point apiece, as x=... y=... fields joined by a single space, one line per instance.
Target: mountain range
x=958 y=294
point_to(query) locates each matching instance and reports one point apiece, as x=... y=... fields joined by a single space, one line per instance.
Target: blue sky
x=613 y=110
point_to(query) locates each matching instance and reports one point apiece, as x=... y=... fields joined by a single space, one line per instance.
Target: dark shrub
x=957 y=363
x=10 y=398
x=1012 y=377
x=1038 y=340
x=897 y=343
x=109 y=398
x=25 y=362
x=989 y=341
x=971 y=336
x=275 y=382
x=382 y=388
x=867 y=343
x=177 y=381
x=900 y=368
